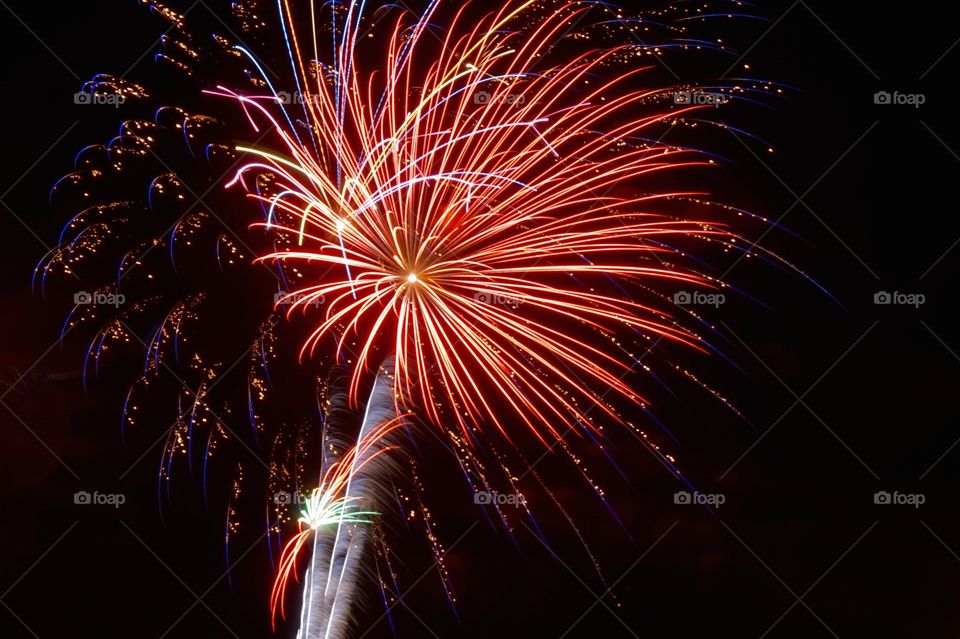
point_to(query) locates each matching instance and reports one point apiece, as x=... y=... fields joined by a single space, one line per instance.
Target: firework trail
x=472 y=211
x=341 y=535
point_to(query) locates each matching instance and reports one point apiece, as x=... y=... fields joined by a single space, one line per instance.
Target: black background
x=799 y=549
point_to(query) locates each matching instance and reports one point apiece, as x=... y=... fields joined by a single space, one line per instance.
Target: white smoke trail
x=330 y=585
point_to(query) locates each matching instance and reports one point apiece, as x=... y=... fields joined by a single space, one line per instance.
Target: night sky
x=842 y=397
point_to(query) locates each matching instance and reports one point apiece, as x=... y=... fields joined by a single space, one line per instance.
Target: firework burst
x=463 y=192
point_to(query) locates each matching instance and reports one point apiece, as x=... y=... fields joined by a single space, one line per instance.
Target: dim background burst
x=880 y=419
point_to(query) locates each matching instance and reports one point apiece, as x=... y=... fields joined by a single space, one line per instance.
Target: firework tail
x=330 y=585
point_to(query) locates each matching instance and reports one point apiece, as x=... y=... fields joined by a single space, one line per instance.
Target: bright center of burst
x=412 y=278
